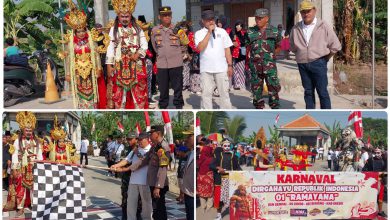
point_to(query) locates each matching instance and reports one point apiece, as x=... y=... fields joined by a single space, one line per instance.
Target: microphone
x=213 y=34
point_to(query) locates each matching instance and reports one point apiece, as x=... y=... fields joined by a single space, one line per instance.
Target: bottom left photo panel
x=98 y=165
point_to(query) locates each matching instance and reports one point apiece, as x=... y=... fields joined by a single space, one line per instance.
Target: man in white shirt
x=215 y=61
x=138 y=178
x=84 y=151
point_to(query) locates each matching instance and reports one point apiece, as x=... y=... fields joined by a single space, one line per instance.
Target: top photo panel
x=195 y=54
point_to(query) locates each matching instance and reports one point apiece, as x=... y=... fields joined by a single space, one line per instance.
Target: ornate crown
x=124 y=6
x=76 y=19
x=26 y=120
x=57 y=133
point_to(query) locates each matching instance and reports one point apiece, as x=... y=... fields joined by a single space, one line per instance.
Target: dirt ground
x=358 y=80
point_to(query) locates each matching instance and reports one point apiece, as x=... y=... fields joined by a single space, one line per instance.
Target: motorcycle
x=20 y=80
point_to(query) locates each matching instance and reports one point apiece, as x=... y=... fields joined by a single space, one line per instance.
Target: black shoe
x=382 y=213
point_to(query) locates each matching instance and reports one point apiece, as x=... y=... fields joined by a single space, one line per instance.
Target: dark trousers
x=314 y=76
x=81 y=158
x=313 y=159
x=189 y=203
x=159 y=208
x=6 y=183
x=170 y=77
x=330 y=164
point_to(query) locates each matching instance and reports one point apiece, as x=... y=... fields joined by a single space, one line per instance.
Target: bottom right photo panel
x=291 y=165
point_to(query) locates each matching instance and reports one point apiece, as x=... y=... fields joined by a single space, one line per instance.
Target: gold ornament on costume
x=57 y=133
x=26 y=120
x=124 y=6
x=76 y=19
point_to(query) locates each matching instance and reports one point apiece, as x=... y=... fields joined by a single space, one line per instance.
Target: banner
x=303 y=195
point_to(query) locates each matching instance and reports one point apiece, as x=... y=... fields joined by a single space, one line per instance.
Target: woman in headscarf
x=238 y=36
x=205 y=180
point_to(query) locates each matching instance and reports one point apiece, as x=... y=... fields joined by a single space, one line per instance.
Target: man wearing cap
x=263 y=40
x=188 y=176
x=166 y=42
x=314 y=42
x=157 y=161
x=138 y=180
x=132 y=141
x=216 y=65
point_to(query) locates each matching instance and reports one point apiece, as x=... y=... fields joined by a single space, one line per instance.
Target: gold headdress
x=124 y=6
x=76 y=19
x=26 y=120
x=57 y=133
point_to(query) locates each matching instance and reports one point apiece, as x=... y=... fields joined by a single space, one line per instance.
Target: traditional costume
x=83 y=61
x=26 y=150
x=61 y=152
x=241 y=205
x=127 y=86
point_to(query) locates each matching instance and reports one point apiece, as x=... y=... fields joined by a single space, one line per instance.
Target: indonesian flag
x=138 y=128
x=355 y=118
x=277 y=119
x=197 y=129
x=168 y=127
x=147 y=121
x=120 y=126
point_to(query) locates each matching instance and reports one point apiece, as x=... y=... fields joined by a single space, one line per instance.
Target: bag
x=285 y=44
x=17 y=60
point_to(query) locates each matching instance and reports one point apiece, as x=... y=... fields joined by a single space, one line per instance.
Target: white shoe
x=219 y=216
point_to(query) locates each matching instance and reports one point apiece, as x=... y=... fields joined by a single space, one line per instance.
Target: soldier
x=263 y=39
x=166 y=42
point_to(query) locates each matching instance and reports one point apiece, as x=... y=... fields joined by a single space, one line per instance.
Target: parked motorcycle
x=20 y=80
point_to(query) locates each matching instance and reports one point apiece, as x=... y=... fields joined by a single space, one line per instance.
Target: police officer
x=263 y=39
x=166 y=42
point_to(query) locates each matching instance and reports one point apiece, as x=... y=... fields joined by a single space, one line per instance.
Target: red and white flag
x=277 y=119
x=147 y=121
x=138 y=128
x=197 y=129
x=120 y=126
x=168 y=127
x=355 y=118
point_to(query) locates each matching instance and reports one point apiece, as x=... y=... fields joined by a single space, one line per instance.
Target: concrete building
x=281 y=11
x=306 y=130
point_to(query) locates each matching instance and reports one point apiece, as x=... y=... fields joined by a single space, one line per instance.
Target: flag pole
x=373 y=53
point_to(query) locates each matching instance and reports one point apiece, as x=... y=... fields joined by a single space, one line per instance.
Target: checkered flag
x=59 y=192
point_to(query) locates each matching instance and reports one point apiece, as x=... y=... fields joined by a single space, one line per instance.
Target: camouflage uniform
x=262 y=65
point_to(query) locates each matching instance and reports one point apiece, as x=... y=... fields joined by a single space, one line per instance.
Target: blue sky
x=145 y=7
x=256 y=119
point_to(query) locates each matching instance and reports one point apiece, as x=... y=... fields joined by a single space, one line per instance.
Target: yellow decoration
x=260 y=136
x=164 y=160
x=26 y=119
x=124 y=6
x=11 y=149
x=76 y=19
x=57 y=133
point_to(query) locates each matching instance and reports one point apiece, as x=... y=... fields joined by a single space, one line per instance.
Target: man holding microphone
x=216 y=65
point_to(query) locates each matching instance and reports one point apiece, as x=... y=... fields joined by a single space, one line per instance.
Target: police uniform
x=262 y=62
x=167 y=44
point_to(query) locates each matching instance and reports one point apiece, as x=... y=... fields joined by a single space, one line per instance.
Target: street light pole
x=373 y=53
x=66 y=86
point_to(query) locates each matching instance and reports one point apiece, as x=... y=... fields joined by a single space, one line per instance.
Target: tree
x=376 y=129
x=183 y=121
x=335 y=132
x=210 y=122
x=275 y=136
x=235 y=127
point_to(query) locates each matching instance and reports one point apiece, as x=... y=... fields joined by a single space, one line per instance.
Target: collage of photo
x=194 y=109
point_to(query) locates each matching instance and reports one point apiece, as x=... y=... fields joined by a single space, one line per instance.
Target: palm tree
x=235 y=127
x=335 y=131
x=210 y=122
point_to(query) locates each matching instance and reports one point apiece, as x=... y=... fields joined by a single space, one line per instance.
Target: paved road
x=104 y=197
x=319 y=165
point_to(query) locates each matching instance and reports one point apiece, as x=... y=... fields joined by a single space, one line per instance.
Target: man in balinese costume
x=127 y=85
x=83 y=61
x=241 y=204
x=60 y=152
x=26 y=151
